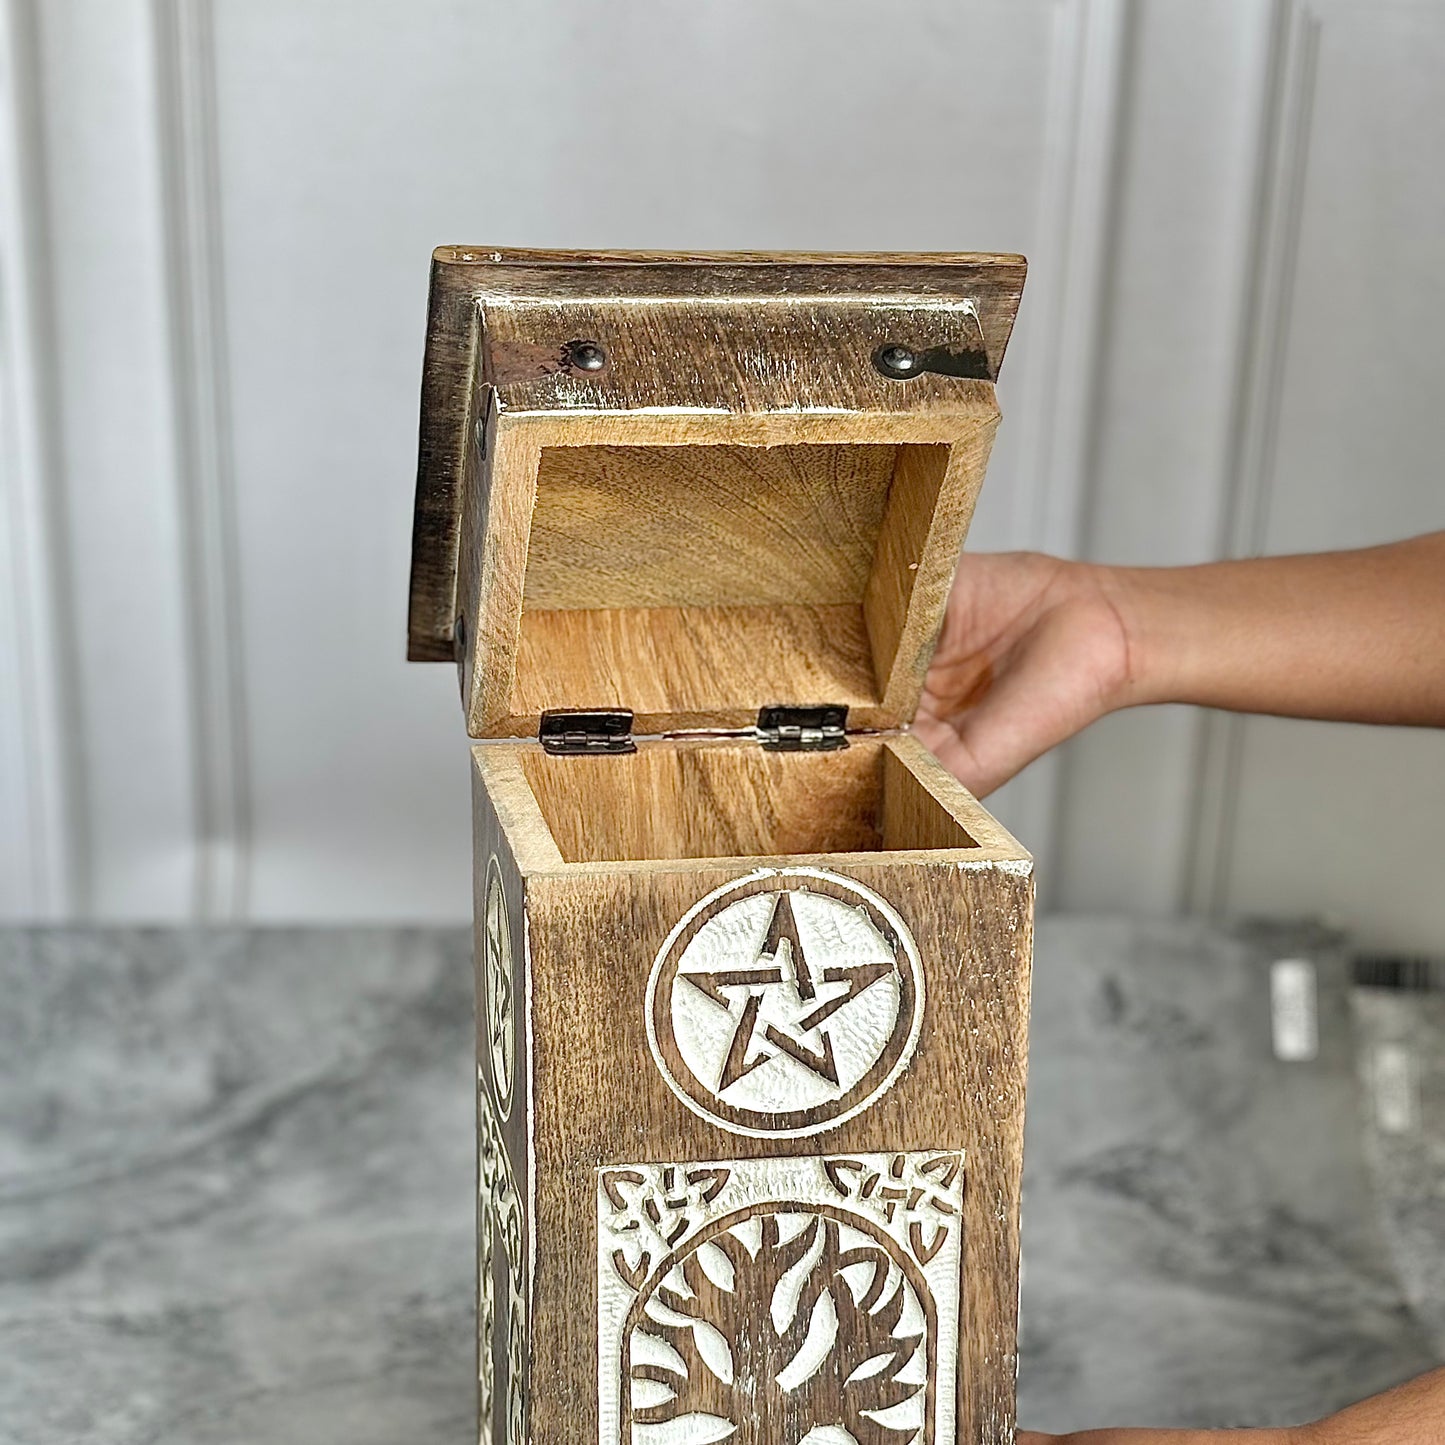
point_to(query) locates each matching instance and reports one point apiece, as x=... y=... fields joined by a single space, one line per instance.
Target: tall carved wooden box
x=753 y=969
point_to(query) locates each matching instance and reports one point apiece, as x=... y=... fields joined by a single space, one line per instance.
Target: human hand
x=1033 y=649
x=1410 y=1414
x=1166 y=1437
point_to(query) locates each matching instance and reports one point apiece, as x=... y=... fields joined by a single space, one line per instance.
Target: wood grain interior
x=705 y=526
x=688 y=667
x=903 y=534
x=718 y=799
x=684 y=581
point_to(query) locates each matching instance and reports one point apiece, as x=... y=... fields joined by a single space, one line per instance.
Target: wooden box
x=753 y=969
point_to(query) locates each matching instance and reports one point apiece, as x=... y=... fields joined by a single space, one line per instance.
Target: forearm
x=1410 y=1414
x=1169 y=1437
x=1357 y=636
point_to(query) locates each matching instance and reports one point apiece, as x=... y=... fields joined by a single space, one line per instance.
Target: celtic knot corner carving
x=921 y=1191
x=653 y=1207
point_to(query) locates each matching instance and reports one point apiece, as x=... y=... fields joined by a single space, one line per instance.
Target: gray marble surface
x=236 y=1197
x=236 y=1173
x=1203 y=1241
x=1401 y=1062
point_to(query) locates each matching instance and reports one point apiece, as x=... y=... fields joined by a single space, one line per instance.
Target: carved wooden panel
x=497 y=998
x=773 y=1301
x=502 y=1338
x=504 y=1239
x=765 y=1123
x=785 y=1002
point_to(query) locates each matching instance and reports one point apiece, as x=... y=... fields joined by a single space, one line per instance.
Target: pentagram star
x=782 y=968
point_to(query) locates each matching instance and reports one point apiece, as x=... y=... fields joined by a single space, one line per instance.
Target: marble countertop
x=236 y=1185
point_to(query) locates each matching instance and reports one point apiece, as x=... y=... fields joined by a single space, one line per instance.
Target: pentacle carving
x=752 y=1302
x=499 y=1014
x=501 y=1286
x=785 y=1002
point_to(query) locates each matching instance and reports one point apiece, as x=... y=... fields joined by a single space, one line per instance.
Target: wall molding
x=201 y=387
x=43 y=856
x=1051 y=415
x=1286 y=116
x=1069 y=270
x=1055 y=413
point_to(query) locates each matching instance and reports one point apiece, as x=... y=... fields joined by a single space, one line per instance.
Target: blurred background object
x=215 y=222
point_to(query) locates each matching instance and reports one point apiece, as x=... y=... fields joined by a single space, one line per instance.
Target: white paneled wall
x=1272 y=382
x=213 y=261
x=1341 y=447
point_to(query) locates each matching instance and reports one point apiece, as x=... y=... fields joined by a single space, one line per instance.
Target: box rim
x=496 y=765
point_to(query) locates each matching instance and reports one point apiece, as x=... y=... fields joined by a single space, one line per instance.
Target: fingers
x=1025 y=713
x=1061 y=676
x=944 y=743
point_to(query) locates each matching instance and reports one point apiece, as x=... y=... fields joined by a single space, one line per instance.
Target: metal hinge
x=579 y=731
x=785 y=728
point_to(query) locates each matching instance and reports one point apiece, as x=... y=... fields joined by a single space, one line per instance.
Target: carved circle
x=499 y=1012
x=785 y=1003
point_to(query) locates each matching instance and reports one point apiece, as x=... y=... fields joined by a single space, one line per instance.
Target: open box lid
x=695 y=486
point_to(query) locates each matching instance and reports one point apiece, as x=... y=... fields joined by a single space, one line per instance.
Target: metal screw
x=896 y=361
x=586 y=356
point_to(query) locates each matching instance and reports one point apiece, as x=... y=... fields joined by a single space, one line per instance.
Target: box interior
x=720 y=799
x=688 y=579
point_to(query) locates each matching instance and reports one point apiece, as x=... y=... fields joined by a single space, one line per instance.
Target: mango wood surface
x=689 y=798
x=754 y=354
x=738 y=333
x=596 y=1124
x=751 y=1025
x=711 y=799
x=506 y=1237
x=684 y=667
x=606 y=525
x=695 y=568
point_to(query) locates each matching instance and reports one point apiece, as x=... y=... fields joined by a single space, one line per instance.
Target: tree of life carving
x=777 y=1324
x=793 y=1300
x=785 y=1002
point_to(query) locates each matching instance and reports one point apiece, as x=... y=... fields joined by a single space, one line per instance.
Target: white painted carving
x=780 y=1301
x=499 y=1226
x=499 y=1011
x=785 y=1002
